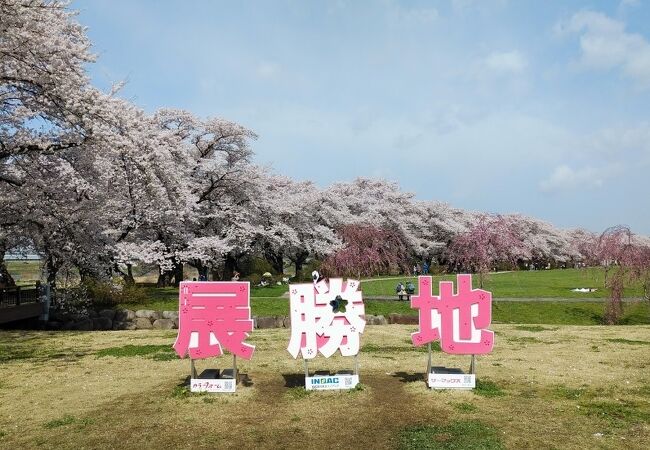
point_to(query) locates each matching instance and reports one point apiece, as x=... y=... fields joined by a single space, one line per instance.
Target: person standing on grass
x=425 y=268
x=416 y=270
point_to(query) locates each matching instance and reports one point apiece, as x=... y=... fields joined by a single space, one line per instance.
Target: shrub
x=71 y=301
x=108 y=294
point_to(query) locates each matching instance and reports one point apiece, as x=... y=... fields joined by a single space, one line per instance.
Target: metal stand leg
x=472 y=365
x=428 y=361
x=234 y=368
x=306 y=368
x=192 y=369
x=356 y=364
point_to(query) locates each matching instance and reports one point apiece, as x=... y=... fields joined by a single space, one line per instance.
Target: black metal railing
x=19 y=295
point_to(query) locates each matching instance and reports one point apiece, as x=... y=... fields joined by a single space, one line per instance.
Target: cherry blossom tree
x=491 y=240
x=46 y=102
x=626 y=260
x=368 y=251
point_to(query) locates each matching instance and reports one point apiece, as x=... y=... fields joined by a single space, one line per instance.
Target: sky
x=540 y=108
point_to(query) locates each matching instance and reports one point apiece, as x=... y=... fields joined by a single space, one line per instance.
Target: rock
x=279 y=322
x=57 y=316
x=108 y=313
x=163 y=324
x=170 y=315
x=83 y=325
x=92 y=313
x=102 y=323
x=123 y=325
x=287 y=322
x=375 y=320
x=54 y=325
x=266 y=322
x=403 y=319
x=124 y=315
x=148 y=313
x=142 y=323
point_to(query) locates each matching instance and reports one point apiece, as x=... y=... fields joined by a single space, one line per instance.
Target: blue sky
x=503 y=106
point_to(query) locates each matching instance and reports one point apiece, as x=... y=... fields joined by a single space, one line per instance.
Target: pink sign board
x=326 y=317
x=458 y=320
x=213 y=315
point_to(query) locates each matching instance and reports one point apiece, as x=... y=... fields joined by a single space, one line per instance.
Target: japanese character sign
x=326 y=317
x=458 y=320
x=212 y=316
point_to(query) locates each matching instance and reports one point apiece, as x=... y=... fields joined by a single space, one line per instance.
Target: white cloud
x=464 y=6
x=566 y=178
x=410 y=16
x=605 y=44
x=629 y=3
x=267 y=69
x=513 y=62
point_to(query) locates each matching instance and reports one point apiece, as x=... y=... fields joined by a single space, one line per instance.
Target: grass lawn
x=566 y=387
x=583 y=313
x=519 y=284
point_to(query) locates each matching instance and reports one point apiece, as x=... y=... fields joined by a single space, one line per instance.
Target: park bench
x=405 y=290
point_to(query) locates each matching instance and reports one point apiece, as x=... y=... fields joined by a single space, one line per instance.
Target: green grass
x=528 y=312
x=156 y=352
x=534 y=328
x=468 y=434
x=268 y=301
x=628 y=341
x=487 y=388
x=563 y=313
x=67 y=420
x=519 y=284
x=618 y=414
x=567 y=393
x=24 y=272
x=465 y=407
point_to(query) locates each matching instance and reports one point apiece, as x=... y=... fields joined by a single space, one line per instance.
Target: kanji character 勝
x=326 y=317
x=458 y=320
x=212 y=315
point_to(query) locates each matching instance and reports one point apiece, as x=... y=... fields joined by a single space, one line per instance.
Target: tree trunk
x=52 y=270
x=126 y=276
x=276 y=259
x=164 y=278
x=129 y=275
x=179 y=273
x=229 y=267
x=6 y=280
x=201 y=268
x=299 y=261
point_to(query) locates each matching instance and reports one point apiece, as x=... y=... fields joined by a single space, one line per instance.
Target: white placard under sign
x=326 y=382
x=452 y=381
x=212 y=385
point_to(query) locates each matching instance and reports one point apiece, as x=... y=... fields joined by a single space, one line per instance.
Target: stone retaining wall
x=145 y=319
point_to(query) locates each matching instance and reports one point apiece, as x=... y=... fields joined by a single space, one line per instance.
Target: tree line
x=89 y=180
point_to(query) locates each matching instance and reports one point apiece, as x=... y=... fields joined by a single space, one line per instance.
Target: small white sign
x=212 y=385
x=452 y=381
x=327 y=382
